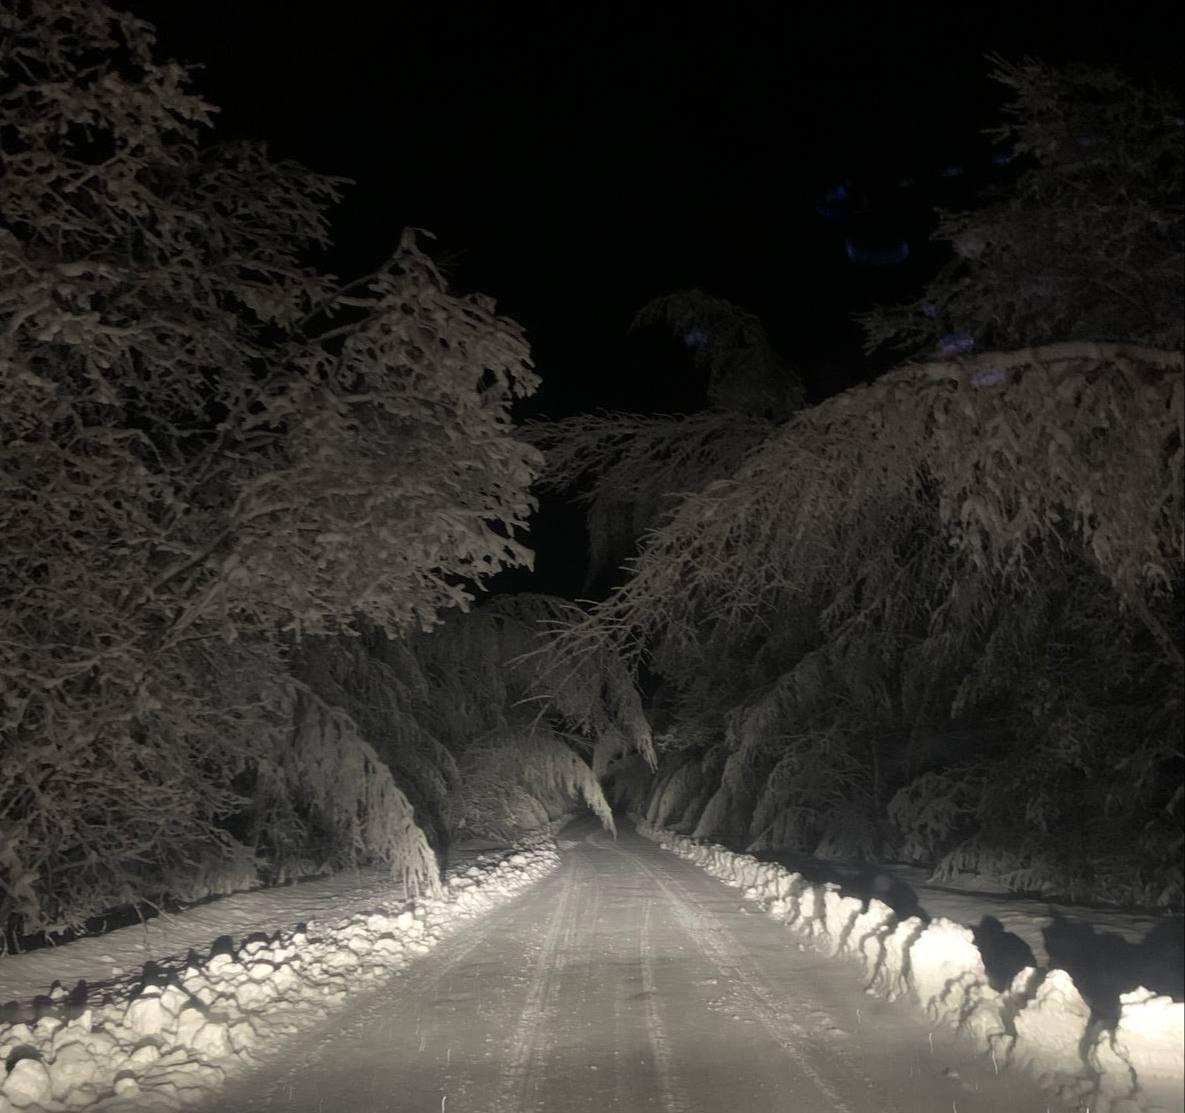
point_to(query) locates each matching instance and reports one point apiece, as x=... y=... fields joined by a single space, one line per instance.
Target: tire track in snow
x=707 y=932
x=671 y=1093
x=620 y=1093
x=416 y=979
x=528 y=1042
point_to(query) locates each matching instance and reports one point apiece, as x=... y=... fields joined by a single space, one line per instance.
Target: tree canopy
x=209 y=450
x=938 y=616
x=1086 y=244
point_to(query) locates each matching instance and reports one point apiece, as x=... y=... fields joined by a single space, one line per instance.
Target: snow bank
x=174 y=1038
x=1040 y=1022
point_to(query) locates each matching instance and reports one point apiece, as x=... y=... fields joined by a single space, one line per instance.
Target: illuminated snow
x=1040 y=1022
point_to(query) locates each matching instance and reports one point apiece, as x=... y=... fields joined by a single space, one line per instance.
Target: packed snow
x=628 y=979
x=163 y=1015
x=1039 y=1021
x=159 y=1016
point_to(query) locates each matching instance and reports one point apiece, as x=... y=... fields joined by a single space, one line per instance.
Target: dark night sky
x=576 y=163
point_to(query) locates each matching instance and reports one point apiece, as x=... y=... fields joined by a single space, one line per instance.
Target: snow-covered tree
x=906 y=562
x=628 y=468
x=940 y=615
x=487 y=729
x=205 y=442
x=1088 y=241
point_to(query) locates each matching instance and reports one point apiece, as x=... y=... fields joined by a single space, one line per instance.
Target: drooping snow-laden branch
x=476 y=722
x=187 y=463
x=1076 y=442
x=935 y=617
x=629 y=469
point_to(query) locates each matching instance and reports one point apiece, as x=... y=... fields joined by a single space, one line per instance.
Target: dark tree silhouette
x=939 y=616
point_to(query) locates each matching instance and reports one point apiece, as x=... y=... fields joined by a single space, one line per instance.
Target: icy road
x=627 y=980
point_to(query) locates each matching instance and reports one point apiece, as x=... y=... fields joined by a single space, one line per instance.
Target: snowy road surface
x=626 y=980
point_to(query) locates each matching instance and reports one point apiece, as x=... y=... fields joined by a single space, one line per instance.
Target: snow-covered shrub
x=932 y=811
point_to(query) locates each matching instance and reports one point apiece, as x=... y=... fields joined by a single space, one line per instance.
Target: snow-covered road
x=629 y=980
